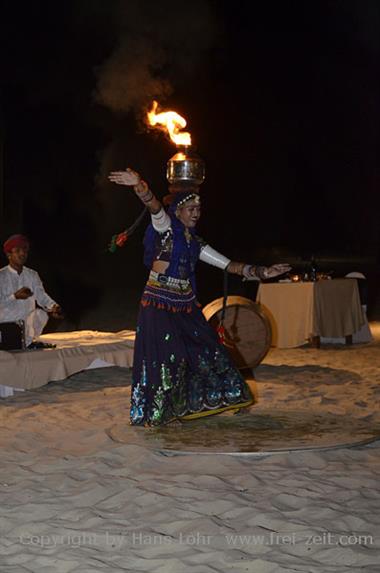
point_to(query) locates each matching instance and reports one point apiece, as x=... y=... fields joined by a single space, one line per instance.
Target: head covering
x=178 y=193
x=180 y=199
x=15 y=241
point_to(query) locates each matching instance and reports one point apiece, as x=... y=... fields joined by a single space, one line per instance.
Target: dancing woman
x=180 y=368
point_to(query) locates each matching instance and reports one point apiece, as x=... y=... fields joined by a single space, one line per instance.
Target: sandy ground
x=77 y=496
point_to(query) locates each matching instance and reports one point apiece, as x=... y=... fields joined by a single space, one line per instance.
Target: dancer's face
x=189 y=213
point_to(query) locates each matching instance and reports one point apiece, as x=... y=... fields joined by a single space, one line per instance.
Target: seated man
x=22 y=295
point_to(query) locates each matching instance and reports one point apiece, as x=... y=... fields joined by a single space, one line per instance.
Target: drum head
x=247 y=328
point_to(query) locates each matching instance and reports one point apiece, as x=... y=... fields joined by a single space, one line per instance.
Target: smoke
x=157 y=45
x=156 y=50
x=130 y=77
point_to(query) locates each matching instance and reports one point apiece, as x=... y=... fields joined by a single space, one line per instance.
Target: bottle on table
x=313 y=269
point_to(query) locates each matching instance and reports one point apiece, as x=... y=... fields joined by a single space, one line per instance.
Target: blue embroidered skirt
x=180 y=368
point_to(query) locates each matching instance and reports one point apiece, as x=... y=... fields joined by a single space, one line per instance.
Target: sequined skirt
x=180 y=368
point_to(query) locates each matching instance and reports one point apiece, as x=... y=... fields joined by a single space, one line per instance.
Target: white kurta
x=12 y=309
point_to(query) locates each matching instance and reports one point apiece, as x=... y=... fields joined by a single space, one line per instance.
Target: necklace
x=187 y=236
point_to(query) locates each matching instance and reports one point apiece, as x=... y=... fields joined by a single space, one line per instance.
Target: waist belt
x=168 y=293
x=170 y=281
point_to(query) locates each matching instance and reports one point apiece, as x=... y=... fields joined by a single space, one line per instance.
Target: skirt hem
x=216 y=411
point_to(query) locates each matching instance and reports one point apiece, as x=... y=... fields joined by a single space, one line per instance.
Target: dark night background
x=281 y=99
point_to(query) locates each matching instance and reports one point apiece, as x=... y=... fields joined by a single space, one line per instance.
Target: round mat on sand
x=251 y=433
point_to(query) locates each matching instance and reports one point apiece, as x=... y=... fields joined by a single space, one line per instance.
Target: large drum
x=247 y=328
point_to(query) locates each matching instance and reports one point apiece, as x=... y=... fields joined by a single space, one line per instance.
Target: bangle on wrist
x=143 y=192
x=247 y=271
x=236 y=268
x=147 y=197
x=260 y=272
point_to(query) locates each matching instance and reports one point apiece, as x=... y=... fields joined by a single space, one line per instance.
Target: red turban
x=15 y=241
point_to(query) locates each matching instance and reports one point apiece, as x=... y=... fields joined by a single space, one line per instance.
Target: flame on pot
x=170 y=122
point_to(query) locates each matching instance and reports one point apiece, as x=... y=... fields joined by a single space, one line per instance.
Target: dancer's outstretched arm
x=212 y=257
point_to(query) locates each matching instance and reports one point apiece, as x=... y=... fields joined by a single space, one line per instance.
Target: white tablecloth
x=299 y=311
x=75 y=351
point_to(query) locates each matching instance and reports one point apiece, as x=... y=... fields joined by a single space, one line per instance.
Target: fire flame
x=171 y=122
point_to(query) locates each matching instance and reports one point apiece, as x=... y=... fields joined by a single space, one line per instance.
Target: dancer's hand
x=127 y=177
x=263 y=273
x=276 y=270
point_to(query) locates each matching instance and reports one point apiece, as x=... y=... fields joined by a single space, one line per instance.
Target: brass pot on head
x=185 y=167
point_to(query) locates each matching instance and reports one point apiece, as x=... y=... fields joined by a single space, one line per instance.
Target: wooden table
x=303 y=312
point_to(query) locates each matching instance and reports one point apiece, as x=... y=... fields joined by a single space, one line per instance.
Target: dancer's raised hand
x=127 y=177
